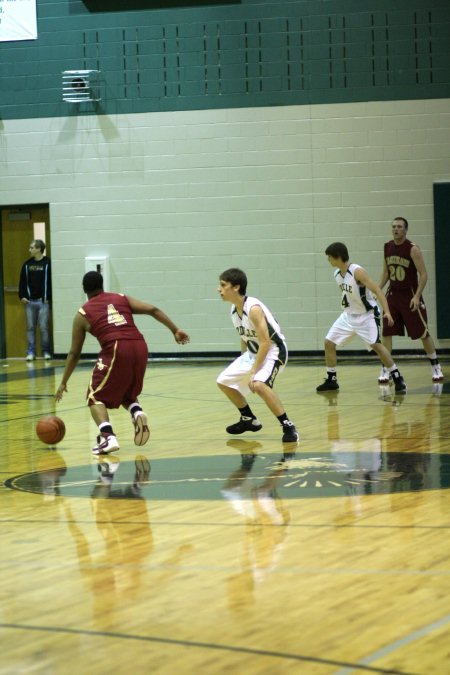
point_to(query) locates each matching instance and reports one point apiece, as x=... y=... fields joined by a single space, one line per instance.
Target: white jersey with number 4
x=356 y=299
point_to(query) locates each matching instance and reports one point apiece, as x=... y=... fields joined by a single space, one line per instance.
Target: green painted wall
x=250 y=53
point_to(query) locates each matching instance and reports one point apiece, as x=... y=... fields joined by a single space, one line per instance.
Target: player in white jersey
x=360 y=316
x=264 y=355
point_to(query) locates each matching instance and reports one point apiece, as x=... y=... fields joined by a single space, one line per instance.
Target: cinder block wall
x=174 y=198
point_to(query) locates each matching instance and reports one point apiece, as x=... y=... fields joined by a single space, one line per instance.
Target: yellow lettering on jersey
x=397 y=260
x=115 y=317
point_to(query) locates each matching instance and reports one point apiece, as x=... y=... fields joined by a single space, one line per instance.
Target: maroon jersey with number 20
x=403 y=283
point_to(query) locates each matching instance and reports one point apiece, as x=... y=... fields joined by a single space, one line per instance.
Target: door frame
x=38 y=205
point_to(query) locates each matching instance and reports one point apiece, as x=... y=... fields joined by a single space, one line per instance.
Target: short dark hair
x=405 y=222
x=337 y=250
x=92 y=281
x=236 y=277
x=38 y=243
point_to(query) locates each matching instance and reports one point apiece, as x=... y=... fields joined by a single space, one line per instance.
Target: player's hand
x=251 y=381
x=60 y=391
x=181 y=337
x=389 y=319
x=414 y=304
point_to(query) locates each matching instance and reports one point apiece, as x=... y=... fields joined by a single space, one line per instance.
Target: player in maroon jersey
x=118 y=375
x=404 y=269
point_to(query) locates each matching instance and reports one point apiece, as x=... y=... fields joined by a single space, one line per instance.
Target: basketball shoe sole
x=141 y=430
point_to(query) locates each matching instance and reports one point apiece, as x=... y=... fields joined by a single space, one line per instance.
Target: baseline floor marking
x=402 y=642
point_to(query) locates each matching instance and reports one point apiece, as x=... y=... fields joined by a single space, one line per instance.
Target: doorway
x=19 y=225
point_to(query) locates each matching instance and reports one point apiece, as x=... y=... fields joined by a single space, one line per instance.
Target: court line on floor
x=200 y=645
x=220 y=524
x=402 y=642
x=152 y=567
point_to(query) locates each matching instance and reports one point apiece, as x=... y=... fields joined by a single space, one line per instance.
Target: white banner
x=18 y=20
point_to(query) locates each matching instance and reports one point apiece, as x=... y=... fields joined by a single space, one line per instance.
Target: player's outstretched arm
x=140 y=307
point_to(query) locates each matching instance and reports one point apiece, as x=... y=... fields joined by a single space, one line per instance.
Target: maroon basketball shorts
x=118 y=375
x=415 y=323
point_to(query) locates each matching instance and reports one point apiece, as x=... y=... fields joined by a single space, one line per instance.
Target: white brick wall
x=175 y=198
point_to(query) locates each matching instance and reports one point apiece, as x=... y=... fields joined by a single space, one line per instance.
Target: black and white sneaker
x=290 y=433
x=330 y=384
x=141 y=430
x=244 y=425
x=399 y=382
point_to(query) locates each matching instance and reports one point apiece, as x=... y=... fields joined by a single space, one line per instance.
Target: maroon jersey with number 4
x=118 y=375
x=110 y=318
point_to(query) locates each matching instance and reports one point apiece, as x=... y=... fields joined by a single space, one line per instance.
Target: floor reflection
x=116 y=575
x=266 y=517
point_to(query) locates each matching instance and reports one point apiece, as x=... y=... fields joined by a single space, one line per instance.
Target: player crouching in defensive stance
x=118 y=375
x=360 y=316
x=264 y=355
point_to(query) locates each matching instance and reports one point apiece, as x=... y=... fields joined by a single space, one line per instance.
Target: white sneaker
x=47 y=356
x=105 y=445
x=141 y=430
x=30 y=357
x=384 y=376
x=436 y=373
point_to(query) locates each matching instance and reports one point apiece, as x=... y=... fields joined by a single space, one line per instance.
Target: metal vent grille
x=81 y=85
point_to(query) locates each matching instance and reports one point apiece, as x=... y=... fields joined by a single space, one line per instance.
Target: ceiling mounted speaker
x=81 y=85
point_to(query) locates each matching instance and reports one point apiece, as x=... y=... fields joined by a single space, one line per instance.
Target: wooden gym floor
x=206 y=553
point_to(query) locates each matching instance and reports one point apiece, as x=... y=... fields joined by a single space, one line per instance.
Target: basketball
x=50 y=429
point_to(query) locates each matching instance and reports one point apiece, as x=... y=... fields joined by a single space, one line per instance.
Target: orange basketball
x=50 y=429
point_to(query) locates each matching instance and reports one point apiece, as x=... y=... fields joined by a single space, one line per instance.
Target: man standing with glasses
x=35 y=292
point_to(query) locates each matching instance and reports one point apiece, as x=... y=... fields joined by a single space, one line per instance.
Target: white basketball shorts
x=236 y=374
x=347 y=326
